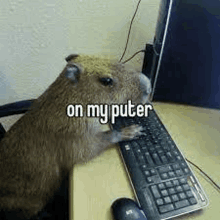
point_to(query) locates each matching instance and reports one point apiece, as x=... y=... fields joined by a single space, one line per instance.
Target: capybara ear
x=71 y=57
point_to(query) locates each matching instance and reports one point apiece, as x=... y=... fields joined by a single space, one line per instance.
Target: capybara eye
x=106 y=81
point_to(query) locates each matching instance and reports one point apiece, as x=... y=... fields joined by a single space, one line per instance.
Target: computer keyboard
x=163 y=182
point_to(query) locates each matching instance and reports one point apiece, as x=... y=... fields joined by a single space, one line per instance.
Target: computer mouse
x=127 y=209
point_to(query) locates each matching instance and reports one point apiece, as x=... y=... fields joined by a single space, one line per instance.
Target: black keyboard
x=163 y=182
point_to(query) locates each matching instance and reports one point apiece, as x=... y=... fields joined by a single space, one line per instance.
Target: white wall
x=36 y=36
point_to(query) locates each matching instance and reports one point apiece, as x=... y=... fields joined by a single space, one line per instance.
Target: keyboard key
x=172 y=146
x=164 y=176
x=169 y=140
x=179 y=189
x=181 y=204
x=153 y=172
x=171 y=174
x=159 y=201
x=179 y=158
x=151 y=147
x=150 y=180
x=142 y=143
x=189 y=193
x=153 y=136
x=155 y=191
x=160 y=151
x=171 y=191
x=164 y=192
x=144 y=149
x=166 y=208
x=167 y=200
x=144 y=167
x=169 y=156
x=141 y=160
x=192 y=201
x=182 y=195
x=183 y=180
x=163 y=143
x=176 y=182
x=186 y=187
x=176 y=153
x=186 y=170
x=164 y=169
x=174 y=198
x=135 y=146
x=168 y=184
x=164 y=159
x=157 y=147
x=176 y=166
x=179 y=172
x=183 y=164
x=161 y=186
x=149 y=159
x=147 y=173
x=156 y=158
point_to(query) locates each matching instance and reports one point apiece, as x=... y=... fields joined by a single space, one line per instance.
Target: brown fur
x=44 y=144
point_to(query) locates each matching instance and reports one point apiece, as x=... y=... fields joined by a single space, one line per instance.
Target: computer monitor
x=184 y=61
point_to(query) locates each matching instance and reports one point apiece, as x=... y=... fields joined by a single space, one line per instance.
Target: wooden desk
x=95 y=185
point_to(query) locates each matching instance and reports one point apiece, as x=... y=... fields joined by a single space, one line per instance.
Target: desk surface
x=196 y=131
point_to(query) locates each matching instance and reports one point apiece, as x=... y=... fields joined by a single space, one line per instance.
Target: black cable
x=133 y=56
x=204 y=174
x=130 y=31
